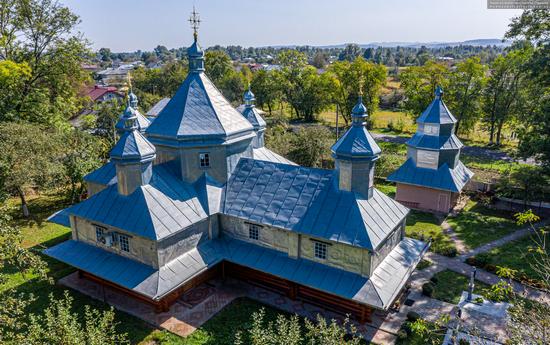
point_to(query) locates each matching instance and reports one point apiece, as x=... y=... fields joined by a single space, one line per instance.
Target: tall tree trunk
x=24 y=206
x=269 y=108
x=499 y=132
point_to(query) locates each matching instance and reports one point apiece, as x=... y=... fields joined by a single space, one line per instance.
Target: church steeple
x=355 y=154
x=250 y=112
x=194 y=52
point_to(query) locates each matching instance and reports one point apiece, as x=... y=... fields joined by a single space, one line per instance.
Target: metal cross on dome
x=195 y=22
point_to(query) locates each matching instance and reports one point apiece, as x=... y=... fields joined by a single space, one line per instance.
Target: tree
x=105 y=54
x=351 y=52
x=107 y=115
x=354 y=77
x=310 y=146
x=505 y=94
x=419 y=83
x=82 y=154
x=12 y=80
x=319 y=60
x=534 y=134
x=266 y=89
x=218 y=66
x=40 y=33
x=304 y=89
x=288 y=331
x=466 y=84
x=29 y=159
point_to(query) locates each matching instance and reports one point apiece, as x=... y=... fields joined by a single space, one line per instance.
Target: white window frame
x=254 y=232
x=431 y=129
x=204 y=160
x=427 y=159
x=320 y=250
x=100 y=233
x=124 y=242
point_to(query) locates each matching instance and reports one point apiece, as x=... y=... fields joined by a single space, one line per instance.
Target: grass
x=477 y=225
x=424 y=225
x=423 y=264
x=449 y=286
x=387 y=188
x=39 y=234
x=515 y=255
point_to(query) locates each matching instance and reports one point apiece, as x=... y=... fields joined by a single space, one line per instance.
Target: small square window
x=253 y=232
x=100 y=234
x=124 y=243
x=320 y=250
x=204 y=159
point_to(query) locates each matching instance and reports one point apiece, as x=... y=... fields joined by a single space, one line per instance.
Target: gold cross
x=195 y=22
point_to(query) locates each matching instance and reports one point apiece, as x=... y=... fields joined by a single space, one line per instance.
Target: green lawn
x=450 y=285
x=424 y=225
x=515 y=255
x=386 y=188
x=38 y=234
x=477 y=224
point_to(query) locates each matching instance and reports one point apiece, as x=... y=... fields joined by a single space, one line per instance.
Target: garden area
x=424 y=225
x=447 y=286
x=477 y=224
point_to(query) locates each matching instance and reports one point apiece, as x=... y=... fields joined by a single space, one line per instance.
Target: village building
x=433 y=176
x=197 y=195
x=98 y=93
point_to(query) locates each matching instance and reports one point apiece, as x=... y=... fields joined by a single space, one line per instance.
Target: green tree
x=82 y=154
x=41 y=34
x=304 y=89
x=506 y=91
x=350 y=53
x=30 y=159
x=107 y=115
x=466 y=84
x=289 y=331
x=266 y=89
x=217 y=65
x=356 y=76
x=419 y=83
x=319 y=60
x=310 y=146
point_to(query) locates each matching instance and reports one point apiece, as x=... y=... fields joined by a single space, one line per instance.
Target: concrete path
x=497 y=243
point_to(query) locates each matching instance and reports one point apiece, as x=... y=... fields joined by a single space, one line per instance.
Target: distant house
x=433 y=175
x=115 y=76
x=103 y=93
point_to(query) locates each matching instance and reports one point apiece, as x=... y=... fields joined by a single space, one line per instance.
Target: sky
x=129 y=25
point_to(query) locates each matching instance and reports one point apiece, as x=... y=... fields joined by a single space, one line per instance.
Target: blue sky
x=127 y=25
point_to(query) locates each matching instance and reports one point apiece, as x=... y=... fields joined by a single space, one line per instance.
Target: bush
x=434 y=279
x=471 y=261
x=449 y=251
x=413 y=316
x=428 y=289
x=406 y=326
x=402 y=334
x=463 y=342
x=482 y=259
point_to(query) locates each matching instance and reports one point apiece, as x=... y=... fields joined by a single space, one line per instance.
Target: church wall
x=423 y=198
x=349 y=258
x=234 y=153
x=386 y=247
x=141 y=249
x=181 y=242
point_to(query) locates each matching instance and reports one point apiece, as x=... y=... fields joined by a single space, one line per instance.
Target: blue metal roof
x=437 y=111
x=443 y=178
x=308 y=201
x=60 y=217
x=378 y=291
x=105 y=175
x=198 y=111
x=155 y=211
x=251 y=114
x=142 y=122
x=265 y=154
x=357 y=142
x=133 y=147
x=434 y=142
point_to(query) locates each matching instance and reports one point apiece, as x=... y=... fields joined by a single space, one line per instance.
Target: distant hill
x=477 y=42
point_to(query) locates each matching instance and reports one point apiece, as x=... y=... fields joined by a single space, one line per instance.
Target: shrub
x=428 y=289
x=463 y=342
x=449 y=251
x=412 y=316
x=406 y=326
x=482 y=259
x=402 y=334
x=471 y=261
x=434 y=279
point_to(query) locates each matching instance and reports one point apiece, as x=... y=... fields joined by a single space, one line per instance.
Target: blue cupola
x=133 y=156
x=131 y=111
x=355 y=154
x=250 y=112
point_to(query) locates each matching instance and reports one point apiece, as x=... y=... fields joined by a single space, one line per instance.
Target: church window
x=253 y=232
x=320 y=250
x=99 y=233
x=431 y=129
x=124 y=243
x=204 y=159
x=427 y=159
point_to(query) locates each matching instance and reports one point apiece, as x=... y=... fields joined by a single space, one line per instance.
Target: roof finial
x=438 y=92
x=195 y=22
x=132 y=98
